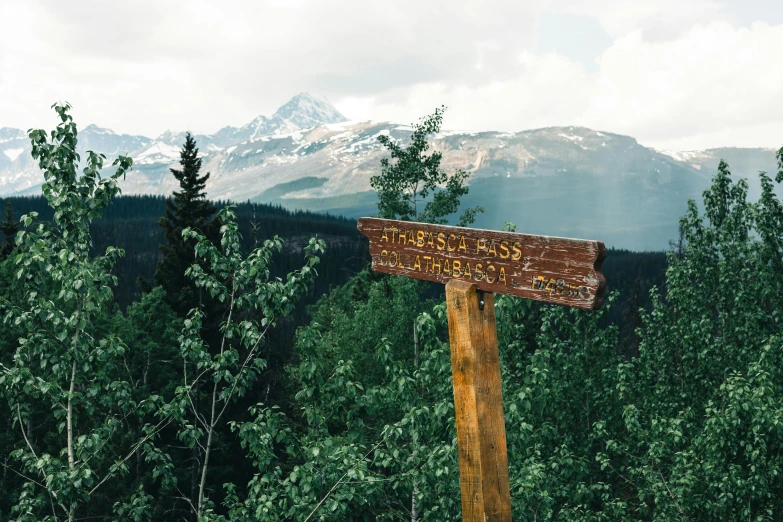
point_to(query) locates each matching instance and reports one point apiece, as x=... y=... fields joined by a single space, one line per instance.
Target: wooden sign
x=474 y=263
x=550 y=269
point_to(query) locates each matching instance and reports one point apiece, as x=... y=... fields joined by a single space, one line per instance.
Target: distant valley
x=565 y=181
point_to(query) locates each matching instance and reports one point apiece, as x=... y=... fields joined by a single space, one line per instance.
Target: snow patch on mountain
x=158 y=152
x=686 y=156
x=13 y=153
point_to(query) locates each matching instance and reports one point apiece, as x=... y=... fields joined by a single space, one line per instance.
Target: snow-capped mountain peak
x=305 y=110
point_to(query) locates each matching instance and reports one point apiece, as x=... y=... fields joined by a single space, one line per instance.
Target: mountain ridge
x=565 y=180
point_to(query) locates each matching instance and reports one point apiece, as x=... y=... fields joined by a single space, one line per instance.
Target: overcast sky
x=675 y=74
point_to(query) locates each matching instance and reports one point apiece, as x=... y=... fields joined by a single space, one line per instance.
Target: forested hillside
x=131 y=223
x=667 y=404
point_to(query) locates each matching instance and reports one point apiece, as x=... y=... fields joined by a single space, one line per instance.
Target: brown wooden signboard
x=551 y=269
x=475 y=263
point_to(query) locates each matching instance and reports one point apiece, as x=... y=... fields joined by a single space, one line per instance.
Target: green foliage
x=705 y=399
x=152 y=329
x=354 y=318
x=226 y=374
x=357 y=447
x=414 y=177
x=65 y=372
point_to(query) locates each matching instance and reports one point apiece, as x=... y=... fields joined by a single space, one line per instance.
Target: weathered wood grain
x=550 y=269
x=478 y=405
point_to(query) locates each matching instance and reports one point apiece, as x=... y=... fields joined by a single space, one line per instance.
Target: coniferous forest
x=183 y=359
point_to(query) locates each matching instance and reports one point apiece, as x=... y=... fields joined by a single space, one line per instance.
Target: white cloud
x=714 y=85
x=714 y=80
x=677 y=75
x=145 y=66
x=541 y=94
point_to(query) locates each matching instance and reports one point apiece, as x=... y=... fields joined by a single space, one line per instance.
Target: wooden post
x=478 y=404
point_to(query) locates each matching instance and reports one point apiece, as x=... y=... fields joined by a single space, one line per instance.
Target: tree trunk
x=194 y=465
x=29 y=427
x=69 y=422
x=194 y=468
x=69 y=419
x=207 y=450
x=414 y=490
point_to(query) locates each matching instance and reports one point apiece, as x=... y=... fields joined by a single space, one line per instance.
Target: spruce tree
x=9 y=228
x=187 y=208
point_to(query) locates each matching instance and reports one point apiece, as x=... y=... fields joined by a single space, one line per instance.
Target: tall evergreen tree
x=9 y=228
x=187 y=207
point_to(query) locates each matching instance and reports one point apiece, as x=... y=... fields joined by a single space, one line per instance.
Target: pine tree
x=188 y=207
x=9 y=228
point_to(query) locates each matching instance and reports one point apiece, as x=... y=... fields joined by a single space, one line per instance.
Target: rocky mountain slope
x=567 y=181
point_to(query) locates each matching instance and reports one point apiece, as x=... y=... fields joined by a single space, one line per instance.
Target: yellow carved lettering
x=434 y=264
x=384 y=255
x=448 y=243
x=490 y=267
x=462 y=245
x=417 y=264
x=419 y=238
x=504 y=248
x=401 y=237
x=492 y=249
x=384 y=237
x=478 y=273
x=481 y=244
x=455 y=268
x=430 y=240
x=502 y=275
x=446 y=267
x=427 y=260
x=441 y=241
x=393 y=263
x=517 y=252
